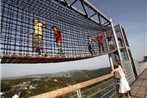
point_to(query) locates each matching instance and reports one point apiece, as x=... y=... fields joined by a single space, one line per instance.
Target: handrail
x=72 y=88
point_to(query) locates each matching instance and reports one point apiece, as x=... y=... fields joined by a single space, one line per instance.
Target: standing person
x=110 y=43
x=37 y=36
x=116 y=55
x=100 y=42
x=90 y=45
x=58 y=39
x=124 y=87
x=120 y=39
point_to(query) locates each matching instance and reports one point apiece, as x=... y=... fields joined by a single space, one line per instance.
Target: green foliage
x=46 y=84
x=5 y=87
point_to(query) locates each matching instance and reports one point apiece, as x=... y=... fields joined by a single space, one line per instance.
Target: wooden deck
x=48 y=59
x=139 y=88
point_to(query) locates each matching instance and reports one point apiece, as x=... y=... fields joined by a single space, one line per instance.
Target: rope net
x=18 y=29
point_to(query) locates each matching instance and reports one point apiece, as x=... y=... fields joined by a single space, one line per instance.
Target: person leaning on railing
x=124 y=87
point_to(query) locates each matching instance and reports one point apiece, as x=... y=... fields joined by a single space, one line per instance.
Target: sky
x=131 y=14
x=16 y=70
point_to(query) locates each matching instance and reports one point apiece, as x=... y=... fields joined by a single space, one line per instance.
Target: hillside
x=43 y=83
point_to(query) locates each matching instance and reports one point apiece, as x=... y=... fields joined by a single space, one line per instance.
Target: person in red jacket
x=58 y=39
x=100 y=42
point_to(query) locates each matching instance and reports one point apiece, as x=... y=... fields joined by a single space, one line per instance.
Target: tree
x=5 y=87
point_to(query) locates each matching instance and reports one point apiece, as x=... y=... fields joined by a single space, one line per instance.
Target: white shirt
x=121 y=71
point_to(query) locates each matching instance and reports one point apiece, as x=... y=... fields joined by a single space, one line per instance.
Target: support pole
x=111 y=60
x=79 y=93
x=116 y=41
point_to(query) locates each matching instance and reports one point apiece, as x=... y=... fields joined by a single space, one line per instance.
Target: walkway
x=139 y=88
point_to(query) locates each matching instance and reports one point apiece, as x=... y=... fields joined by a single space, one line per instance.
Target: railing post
x=110 y=60
x=79 y=93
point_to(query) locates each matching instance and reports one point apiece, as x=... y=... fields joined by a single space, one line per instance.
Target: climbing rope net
x=17 y=16
x=18 y=27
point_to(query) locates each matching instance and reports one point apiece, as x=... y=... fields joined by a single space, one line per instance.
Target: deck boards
x=48 y=59
x=139 y=88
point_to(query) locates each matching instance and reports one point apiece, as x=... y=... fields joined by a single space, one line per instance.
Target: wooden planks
x=134 y=90
x=48 y=59
x=141 y=93
x=139 y=88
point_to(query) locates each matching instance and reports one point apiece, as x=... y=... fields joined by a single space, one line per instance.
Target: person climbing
x=58 y=39
x=110 y=42
x=90 y=45
x=37 y=36
x=120 y=39
x=100 y=42
x=116 y=55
